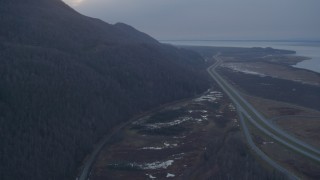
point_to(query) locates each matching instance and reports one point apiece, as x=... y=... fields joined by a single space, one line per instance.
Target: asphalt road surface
x=245 y=109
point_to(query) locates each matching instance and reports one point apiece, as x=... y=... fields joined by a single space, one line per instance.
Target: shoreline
x=309 y=49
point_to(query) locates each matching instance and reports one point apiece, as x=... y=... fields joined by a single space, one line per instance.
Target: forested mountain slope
x=67 y=79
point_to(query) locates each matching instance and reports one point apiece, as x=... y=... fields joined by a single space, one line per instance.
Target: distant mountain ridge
x=67 y=79
x=25 y=19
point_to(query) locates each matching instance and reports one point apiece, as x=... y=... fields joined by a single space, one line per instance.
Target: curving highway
x=260 y=122
x=262 y=155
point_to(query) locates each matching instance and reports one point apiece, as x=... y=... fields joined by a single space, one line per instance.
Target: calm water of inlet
x=303 y=48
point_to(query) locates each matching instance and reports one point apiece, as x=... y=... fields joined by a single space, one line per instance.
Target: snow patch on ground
x=178 y=156
x=205 y=117
x=179 y=137
x=145 y=166
x=170 y=145
x=198 y=120
x=217 y=94
x=152 y=126
x=231 y=107
x=150 y=176
x=167 y=124
x=242 y=69
x=169 y=175
x=266 y=142
x=152 y=148
x=156 y=165
x=165 y=145
x=211 y=97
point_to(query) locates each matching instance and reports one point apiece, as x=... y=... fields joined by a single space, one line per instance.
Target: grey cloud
x=214 y=19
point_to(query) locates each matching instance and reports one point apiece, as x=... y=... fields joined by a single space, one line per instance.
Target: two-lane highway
x=260 y=122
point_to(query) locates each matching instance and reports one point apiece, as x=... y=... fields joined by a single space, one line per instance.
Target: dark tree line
x=278 y=89
x=66 y=80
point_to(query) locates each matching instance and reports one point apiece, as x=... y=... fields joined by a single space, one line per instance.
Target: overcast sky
x=211 y=19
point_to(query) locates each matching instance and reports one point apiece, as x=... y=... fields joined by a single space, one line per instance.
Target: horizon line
x=253 y=40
